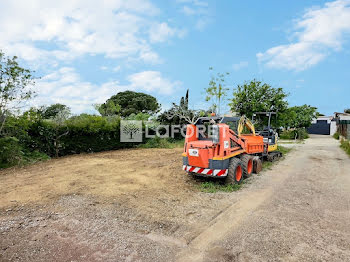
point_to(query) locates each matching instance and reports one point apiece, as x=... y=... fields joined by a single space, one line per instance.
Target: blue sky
x=86 y=51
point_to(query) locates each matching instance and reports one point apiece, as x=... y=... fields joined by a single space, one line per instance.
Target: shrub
x=336 y=135
x=158 y=142
x=299 y=133
x=344 y=144
x=11 y=153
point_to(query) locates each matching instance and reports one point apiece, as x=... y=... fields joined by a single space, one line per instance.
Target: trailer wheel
x=257 y=165
x=235 y=172
x=247 y=165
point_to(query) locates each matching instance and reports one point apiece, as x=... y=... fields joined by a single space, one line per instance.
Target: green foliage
x=158 y=142
x=347 y=110
x=255 y=96
x=336 y=135
x=345 y=145
x=139 y=116
x=298 y=116
x=213 y=187
x=284 y=150
x=130 y=102
x=216 y=92
x=14 y=86
x=110 y=108
x=299 y=133
x=11 y=153
x=54 y=110
x=177 y=114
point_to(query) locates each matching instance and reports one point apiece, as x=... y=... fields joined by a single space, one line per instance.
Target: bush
x=11 y=153
x=344 y=144
x=299 y=133
x=158 y=142
x=336 y=135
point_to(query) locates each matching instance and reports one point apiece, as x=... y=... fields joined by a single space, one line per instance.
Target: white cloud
x=319 y=32
x=41 y=31
x=188 y=10
x=116 y=68
x=152 y=81
x=240 y=65
x=198 y=10
x=161 y=32
x=66 y=86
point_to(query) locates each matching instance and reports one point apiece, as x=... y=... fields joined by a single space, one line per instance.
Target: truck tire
x=257 y=165
x=247 y=165
x=235 y=172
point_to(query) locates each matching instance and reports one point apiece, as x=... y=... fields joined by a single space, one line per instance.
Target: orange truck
x=215 y=147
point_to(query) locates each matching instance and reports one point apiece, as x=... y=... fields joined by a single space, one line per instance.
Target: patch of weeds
x=158 y=142
x=336 y=135
x=284 y=150
x=345 y=145
x=34 y=157
x=213 y=187
x=267 y=165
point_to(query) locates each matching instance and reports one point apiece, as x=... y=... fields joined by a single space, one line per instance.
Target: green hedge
x=28 y=136
x=299 y=133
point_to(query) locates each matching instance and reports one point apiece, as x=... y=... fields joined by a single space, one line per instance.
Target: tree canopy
x=298 y=116
x=216 y=92
x=15 y=83
x=130 y=102
x=54 y=110
x=255 y=96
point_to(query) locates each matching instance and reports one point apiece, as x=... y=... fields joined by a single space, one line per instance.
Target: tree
x=131 y=102
x=60 y=129
x=216 y=92
x=169 y=117
x=53 y=110
x=15 y=83
x=108 y=109
x=298 y=116
x=255 y=96
x=347 y=111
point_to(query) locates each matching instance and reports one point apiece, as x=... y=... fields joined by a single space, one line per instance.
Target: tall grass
x=345 y=145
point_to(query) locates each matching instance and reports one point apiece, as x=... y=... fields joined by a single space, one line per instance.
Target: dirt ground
x=138 y=205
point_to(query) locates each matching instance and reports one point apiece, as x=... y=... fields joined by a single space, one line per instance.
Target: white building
x=323 y=125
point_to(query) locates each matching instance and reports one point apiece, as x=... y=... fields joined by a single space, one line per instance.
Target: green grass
x=287 y=141
x=345 y=145
x=213 y=187
x=27 y=158
x=284 y=150
x=162 y=143
x=336 y=135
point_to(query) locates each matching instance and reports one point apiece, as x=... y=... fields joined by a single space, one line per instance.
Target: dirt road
x=137 y=205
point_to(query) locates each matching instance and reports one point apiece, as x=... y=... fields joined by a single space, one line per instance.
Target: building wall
x=333 y=128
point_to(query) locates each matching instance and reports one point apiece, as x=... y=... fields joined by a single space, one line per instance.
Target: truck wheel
x=247 y=165
x=257 y=165
x=235 y=172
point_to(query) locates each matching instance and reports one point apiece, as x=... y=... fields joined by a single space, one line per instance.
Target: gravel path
x=299 y=211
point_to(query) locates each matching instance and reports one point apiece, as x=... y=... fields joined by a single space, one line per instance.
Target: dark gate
x=321 y=127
